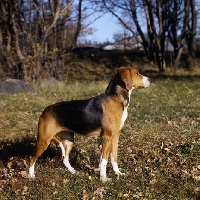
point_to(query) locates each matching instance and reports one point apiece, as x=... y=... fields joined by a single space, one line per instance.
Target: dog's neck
x=117 y=89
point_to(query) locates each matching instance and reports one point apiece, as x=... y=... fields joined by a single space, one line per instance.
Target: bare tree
x=182 y=28
x=155 y=13
x=28 y=34
x=162 y=19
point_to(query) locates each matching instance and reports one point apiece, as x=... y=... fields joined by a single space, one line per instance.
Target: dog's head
x=133 y=79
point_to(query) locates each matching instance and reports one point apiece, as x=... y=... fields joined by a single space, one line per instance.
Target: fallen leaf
x=24 y=174
x=85 y=195
x=25 y=191
x=99 y=192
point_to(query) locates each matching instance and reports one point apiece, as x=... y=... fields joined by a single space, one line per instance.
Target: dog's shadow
x=22 y=150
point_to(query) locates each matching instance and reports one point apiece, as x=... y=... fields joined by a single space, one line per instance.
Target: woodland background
x=43 y=38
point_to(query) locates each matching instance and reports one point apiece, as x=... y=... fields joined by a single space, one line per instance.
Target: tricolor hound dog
x=102 y=115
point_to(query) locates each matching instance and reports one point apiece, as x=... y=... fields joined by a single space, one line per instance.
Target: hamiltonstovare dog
x=102 y=115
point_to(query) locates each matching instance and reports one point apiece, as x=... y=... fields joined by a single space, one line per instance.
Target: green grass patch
x=159 y=147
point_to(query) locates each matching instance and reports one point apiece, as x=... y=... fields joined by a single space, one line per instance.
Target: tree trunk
x=191 y=39
x=135 y=19
x=78 y=29
x=177 y=60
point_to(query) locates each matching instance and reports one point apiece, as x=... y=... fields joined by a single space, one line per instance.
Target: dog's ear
x=125 y=74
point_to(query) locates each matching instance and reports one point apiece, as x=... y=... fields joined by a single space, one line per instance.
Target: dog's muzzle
x=147 y=81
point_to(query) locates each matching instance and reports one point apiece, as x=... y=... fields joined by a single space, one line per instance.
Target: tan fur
x=111 y=125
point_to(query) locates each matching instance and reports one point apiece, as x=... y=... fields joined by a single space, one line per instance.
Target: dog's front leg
x=106 y=148
x=113 y=156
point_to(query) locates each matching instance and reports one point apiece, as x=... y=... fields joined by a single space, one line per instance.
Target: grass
x=159 y=148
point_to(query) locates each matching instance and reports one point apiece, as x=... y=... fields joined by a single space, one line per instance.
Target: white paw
x=31 y=173
x=68 y=166
x=120 y=174
x=105 y=179
x=31 y=176
x=72 y=170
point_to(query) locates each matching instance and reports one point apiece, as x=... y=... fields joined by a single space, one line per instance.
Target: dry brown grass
x=158 y=149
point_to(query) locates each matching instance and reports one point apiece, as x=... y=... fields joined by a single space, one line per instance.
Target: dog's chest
x=124 y=116
x=125 y=112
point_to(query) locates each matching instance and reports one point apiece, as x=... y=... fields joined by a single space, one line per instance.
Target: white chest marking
x=125 y=112
x=124 y=116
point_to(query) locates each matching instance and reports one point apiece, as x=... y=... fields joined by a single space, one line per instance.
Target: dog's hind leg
x=67 y=139
x=68 y=147
x=46 y=130
x=59 y=143
x=41 y=146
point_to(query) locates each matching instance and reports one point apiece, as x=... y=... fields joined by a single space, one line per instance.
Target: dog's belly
x=82 y=126
x=95 y=133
